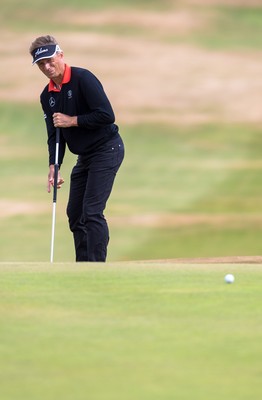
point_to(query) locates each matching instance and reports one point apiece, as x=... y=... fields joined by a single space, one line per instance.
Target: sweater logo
x=69 y=94
x=52 y=102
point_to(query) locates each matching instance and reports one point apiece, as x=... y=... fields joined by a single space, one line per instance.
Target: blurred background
x=185 y=82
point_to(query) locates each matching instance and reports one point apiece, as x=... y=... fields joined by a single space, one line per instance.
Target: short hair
x=42 y=41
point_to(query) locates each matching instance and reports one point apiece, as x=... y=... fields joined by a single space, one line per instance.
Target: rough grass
x=181 y=192
x=190 y=118
x=233 y=28
x=130 y=330
x=213 y=26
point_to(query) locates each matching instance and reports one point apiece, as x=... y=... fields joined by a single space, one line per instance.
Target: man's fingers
x=60 y=182
x=50 y=183
x=57 y=120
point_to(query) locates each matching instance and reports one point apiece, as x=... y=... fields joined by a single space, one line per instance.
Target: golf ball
x=229 y=278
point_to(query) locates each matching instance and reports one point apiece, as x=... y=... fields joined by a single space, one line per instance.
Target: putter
x=55 y=193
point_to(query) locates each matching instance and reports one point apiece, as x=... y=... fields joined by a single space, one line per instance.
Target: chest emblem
x=52 y=102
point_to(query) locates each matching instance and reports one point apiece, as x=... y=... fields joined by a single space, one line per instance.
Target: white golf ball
x=229 y=278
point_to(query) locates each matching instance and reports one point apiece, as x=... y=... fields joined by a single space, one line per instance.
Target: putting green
x=155 y=330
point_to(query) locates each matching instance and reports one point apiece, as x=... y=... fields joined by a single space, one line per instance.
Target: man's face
x=52 y=67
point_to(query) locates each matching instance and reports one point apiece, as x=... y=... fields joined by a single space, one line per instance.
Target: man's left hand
x=64 y=121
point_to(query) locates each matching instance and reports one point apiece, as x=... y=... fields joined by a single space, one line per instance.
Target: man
x=74 y=100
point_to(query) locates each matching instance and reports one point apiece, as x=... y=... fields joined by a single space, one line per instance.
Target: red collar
x=66 y=78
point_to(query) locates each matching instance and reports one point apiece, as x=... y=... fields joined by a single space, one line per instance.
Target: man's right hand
x=50 y=181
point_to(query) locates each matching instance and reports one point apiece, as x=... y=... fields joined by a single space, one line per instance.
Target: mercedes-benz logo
x=51 y=102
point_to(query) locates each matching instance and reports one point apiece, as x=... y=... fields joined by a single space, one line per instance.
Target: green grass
x=211 y=169
x=200 y=240
x=126 y=330
x=17 y=15
x=82 y=4
x=225 y=28
x=176 y=168
x=232 y=28
x=130 y=331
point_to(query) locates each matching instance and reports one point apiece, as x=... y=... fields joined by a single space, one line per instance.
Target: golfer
x=74 y=101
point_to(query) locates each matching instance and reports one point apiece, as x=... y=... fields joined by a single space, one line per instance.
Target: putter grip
x=56 y=164
x=55 y=183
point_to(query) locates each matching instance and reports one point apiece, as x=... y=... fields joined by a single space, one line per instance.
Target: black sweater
x=83 y=96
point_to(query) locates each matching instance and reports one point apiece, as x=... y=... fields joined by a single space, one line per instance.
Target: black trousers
x=92 y=180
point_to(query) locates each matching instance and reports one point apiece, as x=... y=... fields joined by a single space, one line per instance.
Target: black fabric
x=91 y=183
x=85 y=98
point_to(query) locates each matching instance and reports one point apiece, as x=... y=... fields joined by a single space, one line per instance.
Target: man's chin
x=51 y=75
